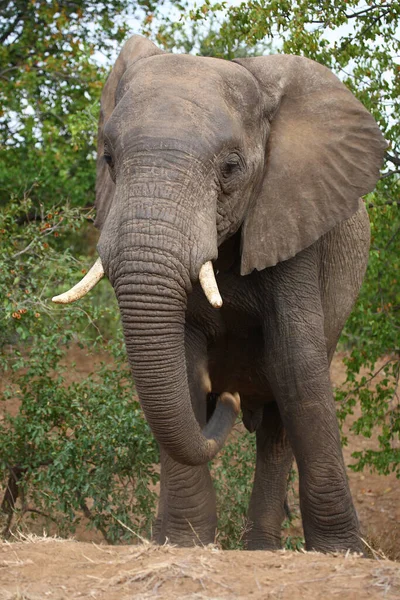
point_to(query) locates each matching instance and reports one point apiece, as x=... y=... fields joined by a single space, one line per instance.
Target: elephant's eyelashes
x=231 y=169
x=231 y=165
x=107 y=154
x=108 y=159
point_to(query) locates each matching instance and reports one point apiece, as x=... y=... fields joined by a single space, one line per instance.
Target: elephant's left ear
x=324 y=151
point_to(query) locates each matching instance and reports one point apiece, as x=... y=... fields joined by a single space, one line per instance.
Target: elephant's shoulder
x=351 y=234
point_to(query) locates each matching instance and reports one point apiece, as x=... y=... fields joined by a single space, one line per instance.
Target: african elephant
x=247 y=176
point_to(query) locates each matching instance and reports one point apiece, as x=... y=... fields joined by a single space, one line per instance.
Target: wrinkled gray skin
x=258 y=165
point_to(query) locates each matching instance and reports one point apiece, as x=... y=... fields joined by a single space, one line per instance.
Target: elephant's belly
x=236 y=364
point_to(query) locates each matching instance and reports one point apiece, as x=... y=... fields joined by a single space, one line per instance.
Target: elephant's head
x=190 y=150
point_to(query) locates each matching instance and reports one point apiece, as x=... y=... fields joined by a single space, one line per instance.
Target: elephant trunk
x=151 y=289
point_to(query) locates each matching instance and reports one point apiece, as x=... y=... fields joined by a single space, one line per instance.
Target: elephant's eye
x=107 y=154
x=108 y=158
x=231 y=165
x=232 y=169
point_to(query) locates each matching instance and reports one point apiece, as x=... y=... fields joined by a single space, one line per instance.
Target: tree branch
x=11 y=496
x=12 y=27
x=388 y=203
x=389 y=174
x=43 y=233
x=362 y=385
x=88 y=514
x=364 y=30
x=29 y=509
x=393 y=159
x=352 y=15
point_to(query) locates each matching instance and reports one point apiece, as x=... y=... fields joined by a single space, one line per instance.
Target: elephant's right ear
x=136 y=48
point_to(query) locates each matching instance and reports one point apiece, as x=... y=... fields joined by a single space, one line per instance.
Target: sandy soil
x=63 y=570
x=36 y=568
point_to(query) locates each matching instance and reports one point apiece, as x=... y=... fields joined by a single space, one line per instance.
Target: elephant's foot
x=187 y=535
x=351 y=541
x=187 y=513
x=258 y=541
x=329 y=518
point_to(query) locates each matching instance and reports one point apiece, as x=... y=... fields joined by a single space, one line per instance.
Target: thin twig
x=43 y=234
x=36 y=511
x=378 y=555
x=143 y=540
x=88 y=514
x=25 y=249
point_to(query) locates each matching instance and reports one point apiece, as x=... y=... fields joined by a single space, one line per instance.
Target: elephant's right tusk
x=209 y=285
x=79 y=290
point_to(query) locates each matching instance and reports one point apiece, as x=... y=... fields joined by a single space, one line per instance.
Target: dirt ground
x=34 y=568
x=62 y=570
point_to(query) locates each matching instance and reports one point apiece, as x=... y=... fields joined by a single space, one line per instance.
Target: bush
x=372 y=336
x=84 y=447
x=72 y=448
x=233 y=473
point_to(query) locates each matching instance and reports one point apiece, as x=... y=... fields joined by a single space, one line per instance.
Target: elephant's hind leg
x=268 y=498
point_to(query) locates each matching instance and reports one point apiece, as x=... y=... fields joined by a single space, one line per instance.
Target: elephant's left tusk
x=209 y=285
x=79 y=290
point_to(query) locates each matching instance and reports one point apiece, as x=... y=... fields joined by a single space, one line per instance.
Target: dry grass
x=35 y=569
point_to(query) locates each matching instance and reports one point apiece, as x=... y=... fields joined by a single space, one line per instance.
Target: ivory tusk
x=84 y=286
x=209 y=285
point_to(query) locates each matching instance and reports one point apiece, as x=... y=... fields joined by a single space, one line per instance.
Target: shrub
x=72 y=448
x=372 y=336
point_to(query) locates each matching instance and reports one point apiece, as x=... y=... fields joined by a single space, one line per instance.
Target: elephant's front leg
x=187 y=510
x=187 y=506
x=298 y=372
x=329 y=518
x=267 y=502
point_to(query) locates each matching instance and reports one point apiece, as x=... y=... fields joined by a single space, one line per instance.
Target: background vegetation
x=81 y=447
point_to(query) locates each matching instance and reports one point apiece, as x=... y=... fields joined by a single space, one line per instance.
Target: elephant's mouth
x=206 y=278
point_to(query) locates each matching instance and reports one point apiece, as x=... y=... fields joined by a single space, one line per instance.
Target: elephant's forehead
x=204 y=80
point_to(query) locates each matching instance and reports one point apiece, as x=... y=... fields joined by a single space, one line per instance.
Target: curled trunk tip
x=232 y=399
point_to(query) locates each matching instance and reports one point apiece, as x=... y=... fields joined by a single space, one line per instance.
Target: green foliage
x=50 y=84
x=372 y=335
x=73 y=447
x=184 y=29
x=233 y=473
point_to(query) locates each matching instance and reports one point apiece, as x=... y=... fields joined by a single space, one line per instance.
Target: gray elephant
x=233 y=234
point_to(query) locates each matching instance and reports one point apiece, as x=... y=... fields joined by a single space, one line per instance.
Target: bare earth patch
x=65 y=570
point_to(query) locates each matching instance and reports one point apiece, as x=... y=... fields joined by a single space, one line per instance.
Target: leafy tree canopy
x=51 y=75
